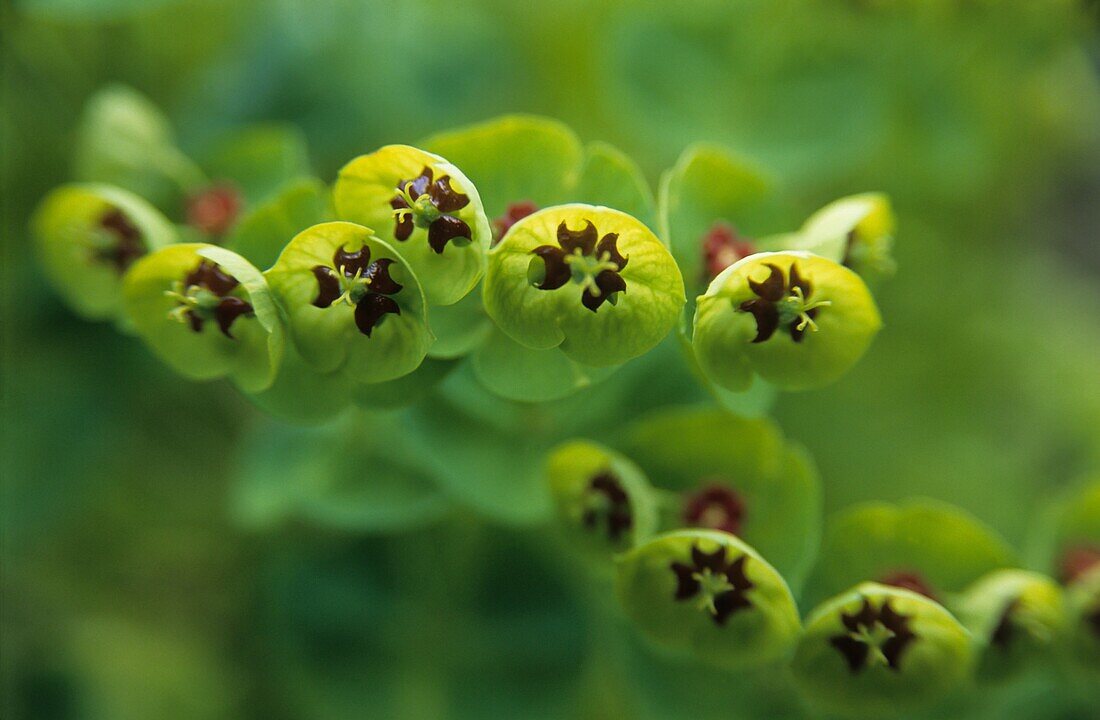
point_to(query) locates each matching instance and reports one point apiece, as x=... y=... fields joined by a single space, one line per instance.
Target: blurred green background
x=131 y=588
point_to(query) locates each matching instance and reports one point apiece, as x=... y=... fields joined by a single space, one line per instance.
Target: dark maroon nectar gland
x=213 y=210
x=205 y=294
x=782 y=302
x=607 y=507
x=578 y=257
x=716 y=507
x=123 y=243
x=355 y=280
x=722 y=247
x=515 y=212
x=875 y=636
x=1076 y=561
x=909 y=580
x=716 y=585
x=426 y=202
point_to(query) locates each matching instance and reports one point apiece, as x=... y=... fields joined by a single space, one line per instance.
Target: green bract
x=923 y=545
x=352 y=303
x=522 y=163
x=125 y=140
x=207 y=312
x=88 y=236
x=426 y=208
x=603 y=500
x=876 y=650
x=711 y=206
x=1016 y=616
x=797 y=320
x=861 y=227
x=706 y=594
x=593 y=281
x=737 y=475
x=263 y=232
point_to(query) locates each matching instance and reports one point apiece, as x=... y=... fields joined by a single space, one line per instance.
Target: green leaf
x=610 y=177
x=357 y=474
x=125 y=140
x=945 y=546
x=263 y=232
x=514 y=158
x=459 y=328
x=517 y=372
x=710 y=185
x=689 y=449
x=259 y=160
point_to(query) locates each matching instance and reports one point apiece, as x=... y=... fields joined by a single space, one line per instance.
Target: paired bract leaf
x=352 y=303
x=259 y=159
x=735 y=474
x=207 y=313
x=88 y=236
x=515 y=159
x=425 y=207
x=263 y=232
x=591 y=280
x=125 y=140
x=710 y=191
x=936 y=544
x=708 y=595
x=795 y=319
x=878 y=650
x=517 y=372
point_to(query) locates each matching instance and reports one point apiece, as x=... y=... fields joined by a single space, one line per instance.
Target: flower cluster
x=587 y=308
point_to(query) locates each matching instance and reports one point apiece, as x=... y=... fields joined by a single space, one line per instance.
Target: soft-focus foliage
x=170 y=552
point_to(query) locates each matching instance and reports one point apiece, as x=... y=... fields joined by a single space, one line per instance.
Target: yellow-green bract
x=1016 y=617
x=796 y=319
x=88 y=236
x=426 y=208
x=327 y=334
x=169 y=298
x=875 y=650
x=628 y=324
x=706 y=594
x=602 y=499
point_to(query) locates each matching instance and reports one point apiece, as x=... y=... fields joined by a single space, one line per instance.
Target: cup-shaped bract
x=923 y=545
x=207 y=313
x=523 y=163
x=1016 y=617
x=590 y=280
x=353 y=304
x=876 y=650
x=861 y=227
x=602 y=500
x=88 y=236
x=795 y=319
x=724 y=472
x=706 y=594
x=426 y=208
